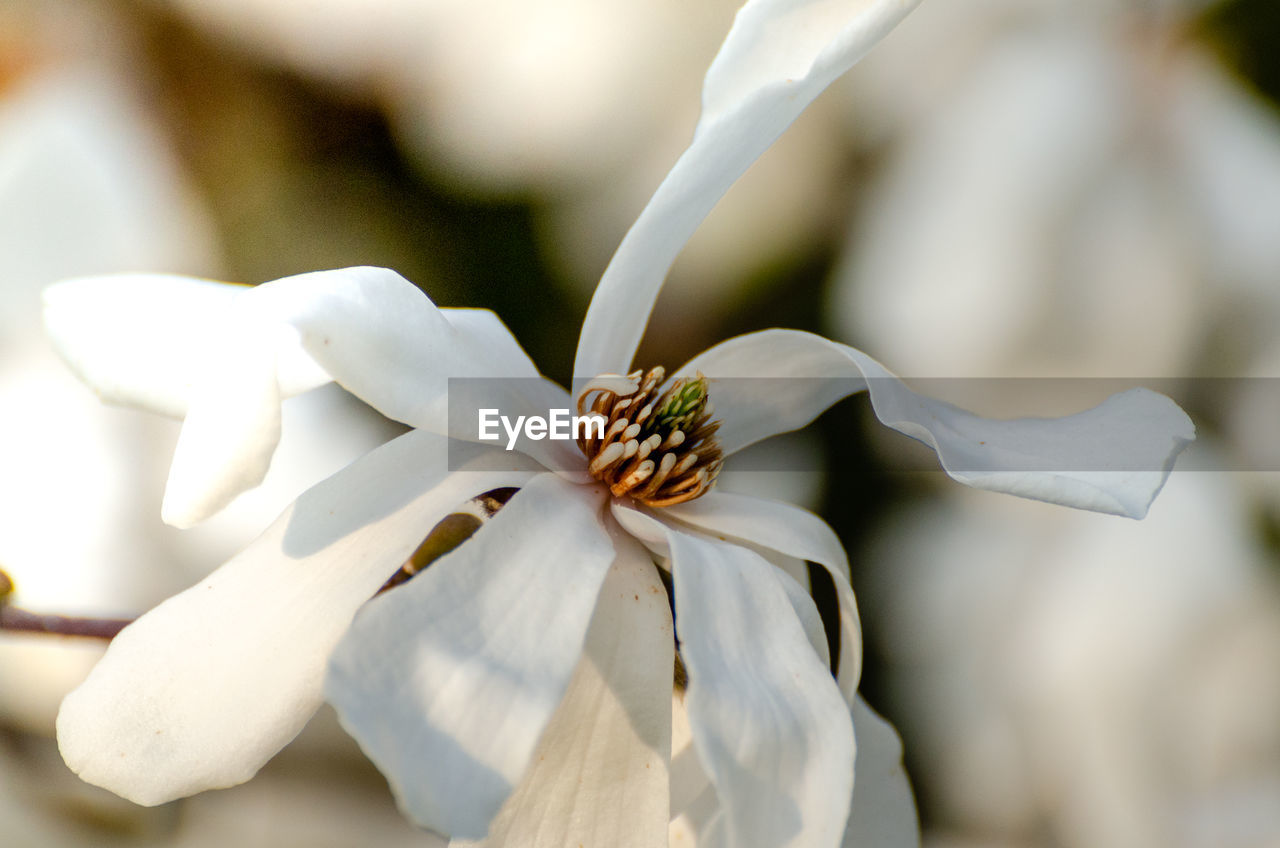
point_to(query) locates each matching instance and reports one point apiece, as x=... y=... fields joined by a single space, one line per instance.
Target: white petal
x=806 y=613
x=600 y=773
x=225 y=356
x=769 y=723
x=448 y=681
x=139 y=339
x=643 y=526
x=231 y=430
x=795 y=532
x=509 y=398
x=694 y=803
x=779 y=55
x=383 y=340
x=793 y=574
x=1113 y=458
x=203 y=689
x=883 y=814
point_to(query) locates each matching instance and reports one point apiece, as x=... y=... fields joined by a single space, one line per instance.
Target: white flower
x=520 y=687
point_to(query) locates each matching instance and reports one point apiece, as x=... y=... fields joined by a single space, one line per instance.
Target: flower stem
x=12 y=618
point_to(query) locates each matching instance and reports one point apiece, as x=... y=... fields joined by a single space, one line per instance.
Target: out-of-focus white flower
x=1087 y=683
x=89 y=184
x=1070 y=185
x=1076 y=188
x=85 y=184
x=581 y=104
x=519 y=689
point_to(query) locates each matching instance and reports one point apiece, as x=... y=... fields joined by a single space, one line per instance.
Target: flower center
x=659 y=446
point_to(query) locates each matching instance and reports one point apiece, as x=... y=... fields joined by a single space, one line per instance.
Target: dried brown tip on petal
x=679 y=674
x=659 y=446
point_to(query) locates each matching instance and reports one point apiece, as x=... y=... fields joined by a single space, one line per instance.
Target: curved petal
x=226 y=355
x=202 y=690
x=883 y=814
x=806 y=613
x=1113 y=458
x=371 y=330
x=141 y=339
x=600 y=773
x=650 y=532
x=778 y=56
x=794 y=532
x=231 y=429
x=448 y=681
x=654 y=535
x=382 y=339
x=769 y=723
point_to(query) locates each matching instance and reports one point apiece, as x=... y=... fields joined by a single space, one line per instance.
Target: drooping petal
x=778 y=56
x=1113 y=458
x=795 y=532
x=199 y=692
x=600 y=774
x=382 y=339
x=374 y=333
x=141 y=339
x=883 y=814
x=231 y=429
x=448 y=682
x=769 y=723
x=226 y=355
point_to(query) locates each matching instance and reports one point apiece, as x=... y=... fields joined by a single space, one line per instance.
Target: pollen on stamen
x=659 y=445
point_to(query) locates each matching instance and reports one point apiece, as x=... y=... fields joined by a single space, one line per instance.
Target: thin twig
x=13 y=618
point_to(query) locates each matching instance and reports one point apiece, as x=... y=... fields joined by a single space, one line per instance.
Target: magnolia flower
x=520 y=688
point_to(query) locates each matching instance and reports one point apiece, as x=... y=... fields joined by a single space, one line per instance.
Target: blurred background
x=1005 y=188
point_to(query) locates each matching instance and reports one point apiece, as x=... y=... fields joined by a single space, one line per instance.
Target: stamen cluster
x=659 y=445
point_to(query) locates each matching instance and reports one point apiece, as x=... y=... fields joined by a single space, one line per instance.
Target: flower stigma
x=659 y=446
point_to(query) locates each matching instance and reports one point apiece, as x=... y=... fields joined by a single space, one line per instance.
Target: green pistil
x=680 y=409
